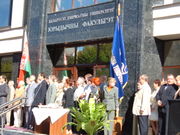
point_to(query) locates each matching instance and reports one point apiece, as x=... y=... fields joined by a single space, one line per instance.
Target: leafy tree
x=105 y=53
x=70 y=60
x=87 y=55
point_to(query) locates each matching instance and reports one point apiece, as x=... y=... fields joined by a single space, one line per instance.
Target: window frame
x=53 y=5
x=2 y=73
x=9 y=16
x=97 y=61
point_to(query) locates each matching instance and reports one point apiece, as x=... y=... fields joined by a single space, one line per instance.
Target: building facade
x=74 y=37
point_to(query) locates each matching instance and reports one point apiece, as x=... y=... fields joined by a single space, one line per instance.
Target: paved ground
x=18 y=131
x=22 y=131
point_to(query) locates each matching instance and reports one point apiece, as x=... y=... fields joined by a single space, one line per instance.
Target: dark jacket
x=4 y=91
x=40 y=93
x=165 y=93
x=68 y=98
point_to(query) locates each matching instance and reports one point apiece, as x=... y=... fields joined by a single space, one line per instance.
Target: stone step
x=18 y=131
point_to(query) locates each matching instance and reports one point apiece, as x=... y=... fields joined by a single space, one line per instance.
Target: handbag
x=117 y=126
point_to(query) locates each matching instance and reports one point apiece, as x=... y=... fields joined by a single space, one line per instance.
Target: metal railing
x=9 y=106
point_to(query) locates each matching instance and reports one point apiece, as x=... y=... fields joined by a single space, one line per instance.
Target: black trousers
x=31 y=119
x=143 y=124
x=69 y=119
x=3 y=117
x=27 y=112
x=161 y=123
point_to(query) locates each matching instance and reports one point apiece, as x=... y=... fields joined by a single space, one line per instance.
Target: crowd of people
x=51 y=92
x=148 y=104
x=153 y=104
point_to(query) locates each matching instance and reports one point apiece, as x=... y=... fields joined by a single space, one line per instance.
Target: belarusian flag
x=64 y=73
x=25 y=67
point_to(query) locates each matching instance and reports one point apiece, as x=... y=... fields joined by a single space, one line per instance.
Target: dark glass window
x=69 y=56
x=63 y=73
x=89 y=54
x=6 y=66
x=69 y=4
x=5 y=13
x=104 y=53
x=66 y=56
x=86 y=54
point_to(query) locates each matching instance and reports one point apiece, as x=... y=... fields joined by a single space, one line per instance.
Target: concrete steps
x=18 y=131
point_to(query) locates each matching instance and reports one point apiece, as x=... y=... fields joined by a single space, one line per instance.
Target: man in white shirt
x=79 y=92
x=141 y=105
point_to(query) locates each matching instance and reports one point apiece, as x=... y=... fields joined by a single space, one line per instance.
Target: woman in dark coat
x=68 y=101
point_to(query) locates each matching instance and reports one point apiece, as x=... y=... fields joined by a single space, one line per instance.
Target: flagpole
x=19 y=71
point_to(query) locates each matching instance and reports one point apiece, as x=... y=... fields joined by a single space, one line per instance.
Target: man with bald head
x=79 y=92
x=166 y=92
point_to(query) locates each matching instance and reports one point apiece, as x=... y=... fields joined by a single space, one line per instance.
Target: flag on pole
x=64 y=73
x=118 y=66
x=25 y=67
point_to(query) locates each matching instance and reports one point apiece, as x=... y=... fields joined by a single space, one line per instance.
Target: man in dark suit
x=40 y=91
x=4 y=91
x=39 y=97
x=166 y=92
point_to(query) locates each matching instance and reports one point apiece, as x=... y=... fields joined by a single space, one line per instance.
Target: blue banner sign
x=82 y=24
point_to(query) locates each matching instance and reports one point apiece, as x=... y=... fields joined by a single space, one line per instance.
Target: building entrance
x=75 y=71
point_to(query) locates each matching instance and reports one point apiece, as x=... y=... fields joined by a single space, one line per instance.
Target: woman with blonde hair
x=19 y=92
x=59 y=95
x=110 y=98
x=10 y=98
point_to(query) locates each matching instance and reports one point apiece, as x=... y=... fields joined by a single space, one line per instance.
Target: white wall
x=166 y=21
x=11 y=34
x=10 y=46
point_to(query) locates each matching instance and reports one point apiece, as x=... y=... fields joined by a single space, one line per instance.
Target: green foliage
x=70 y=60
x=105 y=53
x=90 y=116
x=87 y=55
x=102 y=71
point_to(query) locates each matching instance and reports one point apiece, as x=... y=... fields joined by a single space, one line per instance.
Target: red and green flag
x=25 y=67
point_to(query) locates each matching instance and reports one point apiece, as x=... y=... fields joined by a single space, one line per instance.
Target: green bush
x=90 y=116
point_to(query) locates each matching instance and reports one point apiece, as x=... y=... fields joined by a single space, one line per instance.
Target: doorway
x=76 y=71
x=83 y=70
x=70 y=72
x=175 y=70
